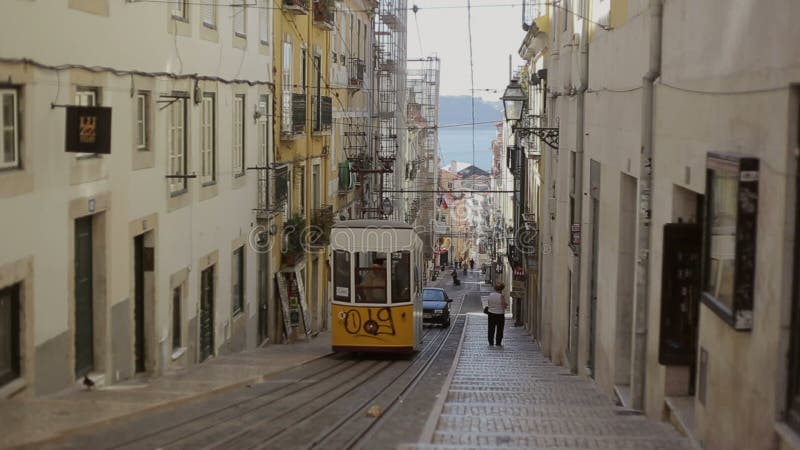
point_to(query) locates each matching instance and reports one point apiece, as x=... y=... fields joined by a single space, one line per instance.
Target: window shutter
x=298 y=113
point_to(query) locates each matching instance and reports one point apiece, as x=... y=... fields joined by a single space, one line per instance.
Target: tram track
x=220 y=415
x=339 y=416
x=319 y=404
x=350 y=431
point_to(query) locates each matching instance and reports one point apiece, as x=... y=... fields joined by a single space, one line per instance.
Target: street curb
x=426 y=437
x=71 y=432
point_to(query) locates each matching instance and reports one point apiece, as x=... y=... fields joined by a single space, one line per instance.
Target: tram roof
x=372 y=223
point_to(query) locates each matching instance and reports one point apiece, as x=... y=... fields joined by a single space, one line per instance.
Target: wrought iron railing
x=356 y=68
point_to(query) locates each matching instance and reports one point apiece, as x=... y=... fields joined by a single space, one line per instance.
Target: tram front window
x=370 y=277
x=401 y=277
x=341 y=276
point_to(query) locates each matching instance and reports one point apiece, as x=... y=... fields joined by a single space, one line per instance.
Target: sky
x=441 y=28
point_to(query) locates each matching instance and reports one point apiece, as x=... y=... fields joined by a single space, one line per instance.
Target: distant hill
x=458 y=109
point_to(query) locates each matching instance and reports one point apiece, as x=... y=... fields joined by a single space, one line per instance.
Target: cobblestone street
x=513 y=397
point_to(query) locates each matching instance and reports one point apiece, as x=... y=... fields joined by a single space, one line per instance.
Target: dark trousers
x=496 y=323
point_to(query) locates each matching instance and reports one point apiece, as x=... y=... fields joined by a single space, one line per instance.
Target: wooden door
x=84 y=328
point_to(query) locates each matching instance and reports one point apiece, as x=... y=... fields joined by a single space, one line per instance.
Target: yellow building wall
x=301 y=151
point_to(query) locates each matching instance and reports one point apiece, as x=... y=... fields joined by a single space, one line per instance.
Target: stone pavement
x=513 y=397
x=26 y=422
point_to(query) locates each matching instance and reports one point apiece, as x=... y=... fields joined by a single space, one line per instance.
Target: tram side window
x=401 y=277
x=370 y=277
x=341 y=276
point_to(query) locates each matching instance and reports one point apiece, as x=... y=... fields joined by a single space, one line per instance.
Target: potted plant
x=321 y=223
x=293 y=246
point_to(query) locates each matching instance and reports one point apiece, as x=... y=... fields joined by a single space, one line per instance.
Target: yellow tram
x=377 y=285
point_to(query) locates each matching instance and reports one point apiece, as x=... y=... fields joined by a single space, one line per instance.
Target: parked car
x=436 y=306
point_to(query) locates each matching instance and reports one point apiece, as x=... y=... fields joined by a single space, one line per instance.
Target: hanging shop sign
x=88 y=129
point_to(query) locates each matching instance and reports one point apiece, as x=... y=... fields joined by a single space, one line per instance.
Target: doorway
x=84 y=311
x=206 y=313
x=681 y=291
x=263 y=294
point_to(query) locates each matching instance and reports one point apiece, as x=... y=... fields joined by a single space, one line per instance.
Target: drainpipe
x=580 y=134
x=645 y=207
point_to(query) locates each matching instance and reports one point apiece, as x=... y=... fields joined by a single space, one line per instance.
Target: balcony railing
x=357 y=69
x=295 y=6
x=324 y=11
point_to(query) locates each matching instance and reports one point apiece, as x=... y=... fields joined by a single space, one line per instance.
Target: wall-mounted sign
x=88 y=129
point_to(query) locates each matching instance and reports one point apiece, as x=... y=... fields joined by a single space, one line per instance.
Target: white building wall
x=36 y=199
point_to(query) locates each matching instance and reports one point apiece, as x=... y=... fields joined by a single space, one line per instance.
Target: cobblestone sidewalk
x=513 y=397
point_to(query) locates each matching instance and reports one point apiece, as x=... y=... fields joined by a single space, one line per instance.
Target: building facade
x=301 y=169
x=134 y=258
x=668 y=212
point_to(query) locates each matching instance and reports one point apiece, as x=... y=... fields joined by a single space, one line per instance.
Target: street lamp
x=513 y=101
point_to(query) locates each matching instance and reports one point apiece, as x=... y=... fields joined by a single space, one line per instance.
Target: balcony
x=324 y=11
x=295 y=6
x=273 y=190
x=356 y=68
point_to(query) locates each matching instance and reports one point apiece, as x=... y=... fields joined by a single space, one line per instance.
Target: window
x=209 y=12
x=263 y=22
x=401 y=277
x=370 y=277
x=142 y=111
x=303 y=80
x=176 y=318
x=264 y=122
x=358 y=36
x=177 y=145
x=9 y=120
x=239 y=18
x=179 y=9
x=317 y=93
x=341 y=275
x=87 y=96
x=9 y=334
x=286 y=83
x=237 y=276
x=730 y=237
x=315 y=187
x=301 y=181
x=208 y=151
x=238 y=135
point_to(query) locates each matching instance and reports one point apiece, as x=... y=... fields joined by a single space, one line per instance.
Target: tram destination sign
x=88 y=129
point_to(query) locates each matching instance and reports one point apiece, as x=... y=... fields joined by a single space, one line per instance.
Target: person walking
x=471 y=264
x=496 y=308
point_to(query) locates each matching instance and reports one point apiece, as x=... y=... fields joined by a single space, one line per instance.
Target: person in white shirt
x=497 y=314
